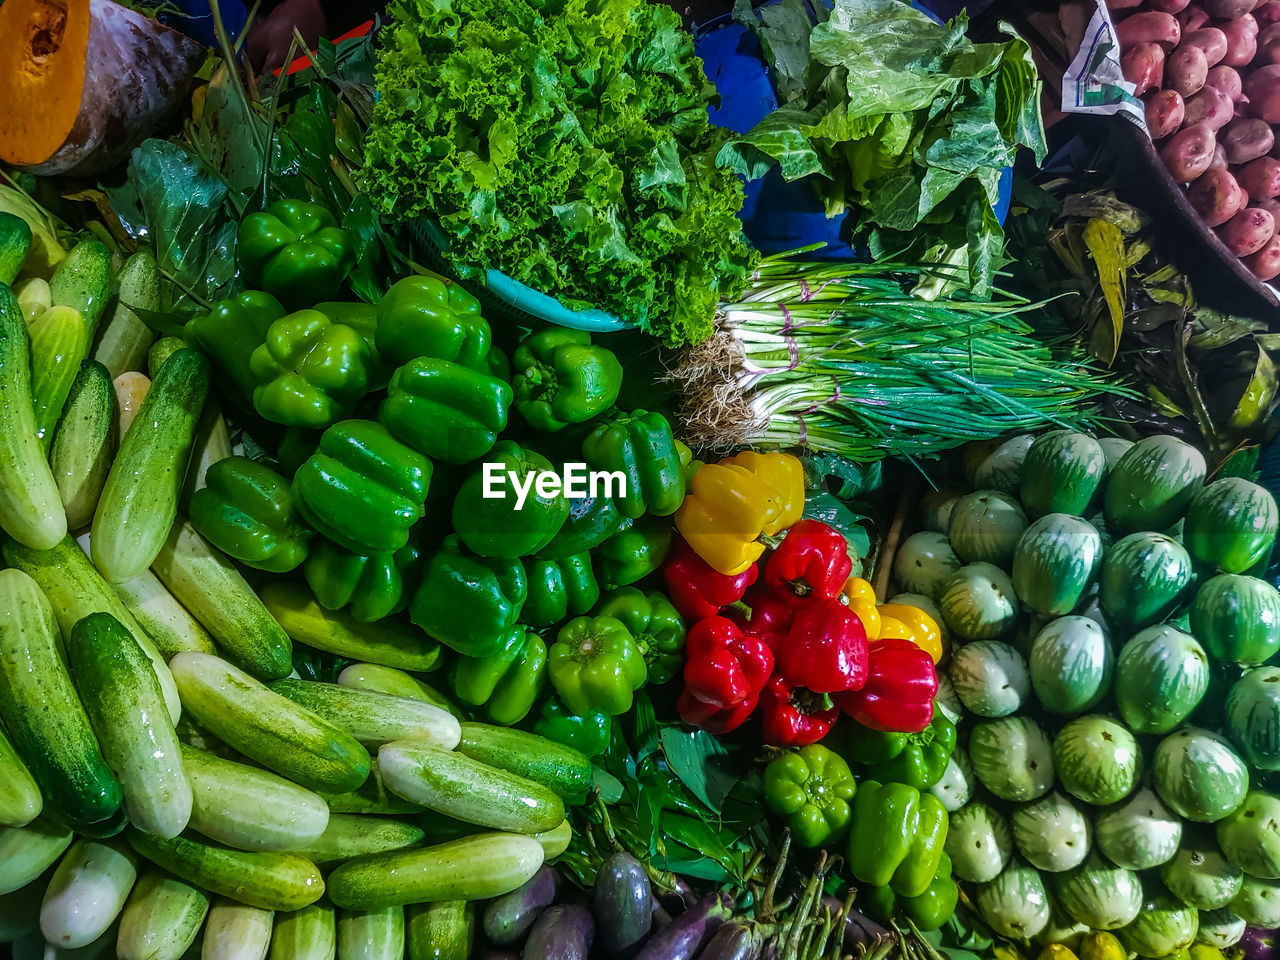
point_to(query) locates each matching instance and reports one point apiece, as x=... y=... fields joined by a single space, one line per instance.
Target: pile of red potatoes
x=1209 y=75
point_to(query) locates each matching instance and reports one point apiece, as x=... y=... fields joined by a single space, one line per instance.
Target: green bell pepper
x=310 y=370
x=363 y=319
x=230 y=332
x=363 y=488
x=641 y=447
x=896 y=837
x=656 y=625
x=634 y=552
x=467 y=602
x=559 y=589
x=246 y=510
x=507 y=682
x=561 y=378
x=596 y=665
x=916 y=759
x=592 y=521
x=589 y=734
x=296 y=251
x=508 y=525
x=928 y=911
x=811 y=789
x=372 y=585
x=295 y=446
x=498 y=364
x=444 y=410
x=428 y=316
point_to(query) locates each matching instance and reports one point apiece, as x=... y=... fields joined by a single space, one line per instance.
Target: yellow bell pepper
x=924 y=630
x=731 y=504
x=1056 y=951
x=893 y=629
x=861 y=598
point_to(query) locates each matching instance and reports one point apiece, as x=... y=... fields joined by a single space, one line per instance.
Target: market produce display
x=769 y=607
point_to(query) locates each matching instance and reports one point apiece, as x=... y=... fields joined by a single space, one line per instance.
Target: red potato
x=1260 y=178
x=1211 y=107
x=1268 y=12
x=1150 y=26
x=1271 y=205
x=1193 y=18
x=1247 y=138
x=1265 y=264
x=1219 y=161
x=1248 y=231
x=1262 y=88
x=1169 y=6
x=1226 y=79
x=1228 y=9
x=1189 y=152
x=1165 y=111
x=1209 y=39
x=1114 y=5
x=1216 y=196
x=1242 y=41
x=1186 y=70
x=1143 y=66
x=1268 y=45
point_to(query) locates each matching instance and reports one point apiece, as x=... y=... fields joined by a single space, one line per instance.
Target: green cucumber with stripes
x=20 y=797
x=371 y=934
x=123 y=342
x=59 y=342
x=127 y=711
x=85 y=443
x=372 y=797
x=373 y=717
x=139 y=501
x=76 y=589
x=249 y=808
x=398 y=683
x=31 y=509
x=351 y=835
x=43 y=713
x=236 y=931
x=306 y=934
x=443 y=930
x=26 y=852
x=267 y=727
x=162 y=617
x=563 y=769
x=271 y=881
x=207 y=584
x=161 y=918
x=15 y=241
x=82 y=281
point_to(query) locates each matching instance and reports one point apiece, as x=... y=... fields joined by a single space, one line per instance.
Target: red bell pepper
x=699 y=713
x=898 y=695
x=793 y=716
x=724 y=667
x=811 y=561
x=825 y=650
x=770 y=617
x=696 y=588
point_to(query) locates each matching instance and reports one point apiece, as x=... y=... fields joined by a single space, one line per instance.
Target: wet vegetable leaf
x=701 y=763
x=1106 y=244
x=1259 y=395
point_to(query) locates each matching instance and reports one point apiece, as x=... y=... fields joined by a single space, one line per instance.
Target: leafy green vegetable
x=900 y=118
x=565 y=144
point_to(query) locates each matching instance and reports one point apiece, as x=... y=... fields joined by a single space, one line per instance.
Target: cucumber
x=127 y=711
x=26 y=852
x=371 y=934
x=42 y=712
x=350 y=835
x=1152 y=484
x=139 y=502
x=387 y=642
x=87 y=893
x=162 y=617
x=467 y=789
x=83 y=281
x=1055 y=563
x=371 y=797
x=473 y=868
x=20 y=798
x=20 y=910
x=563 y=769
x=15 y=241
x=556 y=840
x=59 y=343
x=85 y=443
x=269 y=880
x=30 y=508
x=209 y=586
x=248 y=808
x=161 y=919
x=1231 y=524
x=212 y=443
x=373 y=717
x=123 y=343
x=160 y=351
x=236 y=931
x=269 y=728
x=306 y=934
x=374 y=676
x=76 y=590
x=34 y=298
x=440 y=931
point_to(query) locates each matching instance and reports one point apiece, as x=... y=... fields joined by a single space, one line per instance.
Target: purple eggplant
x=1259 y=944
x=736 y=940
x=680 y=899
x=622 y=901
x=495 y=954
x=684 y=936
x=660 y=916
x=563 y=932
x=508 y=919
x=859 y=931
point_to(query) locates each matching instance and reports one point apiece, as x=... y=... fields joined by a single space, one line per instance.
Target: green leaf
x=609 y=785
x=701 y=762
